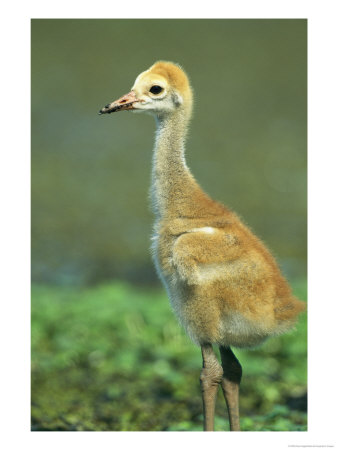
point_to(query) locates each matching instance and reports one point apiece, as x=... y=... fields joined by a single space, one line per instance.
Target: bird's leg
x=211 y=376
x=232 y=374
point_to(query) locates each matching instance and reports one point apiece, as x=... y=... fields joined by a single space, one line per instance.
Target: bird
x=224 y=285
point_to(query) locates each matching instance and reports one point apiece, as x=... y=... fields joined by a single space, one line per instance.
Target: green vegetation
x=112 y=357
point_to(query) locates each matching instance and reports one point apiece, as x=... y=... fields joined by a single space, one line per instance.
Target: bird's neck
x=174 y=189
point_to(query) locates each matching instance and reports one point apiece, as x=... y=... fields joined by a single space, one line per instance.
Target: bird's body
x=224 y=285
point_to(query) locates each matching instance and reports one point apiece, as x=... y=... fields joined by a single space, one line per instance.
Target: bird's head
x=160 y=90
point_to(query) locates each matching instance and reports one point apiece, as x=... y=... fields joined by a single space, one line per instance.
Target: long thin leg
x=232 y=374
x=211 y=376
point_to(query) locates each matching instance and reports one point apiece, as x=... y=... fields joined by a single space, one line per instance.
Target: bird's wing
x=202 y=252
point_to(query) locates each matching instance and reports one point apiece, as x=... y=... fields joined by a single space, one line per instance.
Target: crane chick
x=223 y=284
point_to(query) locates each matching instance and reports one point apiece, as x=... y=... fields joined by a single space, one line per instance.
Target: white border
x=15 y=111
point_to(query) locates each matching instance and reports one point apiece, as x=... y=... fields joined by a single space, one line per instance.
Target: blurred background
x=98 y=309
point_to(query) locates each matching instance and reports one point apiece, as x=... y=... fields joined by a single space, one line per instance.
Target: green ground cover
x=113 y=357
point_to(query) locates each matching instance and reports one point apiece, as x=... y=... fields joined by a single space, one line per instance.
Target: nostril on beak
x=123 y=101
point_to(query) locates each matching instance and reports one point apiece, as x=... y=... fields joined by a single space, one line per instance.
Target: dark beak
x=125 y=102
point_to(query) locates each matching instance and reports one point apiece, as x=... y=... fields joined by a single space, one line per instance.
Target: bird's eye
x=156 y=89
